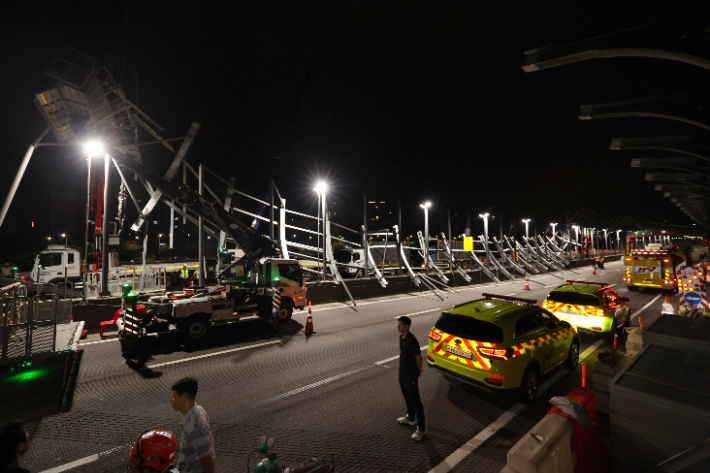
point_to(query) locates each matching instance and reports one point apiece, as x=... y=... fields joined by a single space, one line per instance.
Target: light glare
x=94 y=148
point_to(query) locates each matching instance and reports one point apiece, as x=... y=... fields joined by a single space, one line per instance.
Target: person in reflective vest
x=184 y=275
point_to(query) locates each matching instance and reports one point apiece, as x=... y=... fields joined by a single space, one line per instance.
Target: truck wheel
x=530 y=384
x=285 y=311
x=196 y=328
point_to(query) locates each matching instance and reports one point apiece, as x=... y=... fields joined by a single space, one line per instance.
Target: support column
x=172 y=226
x=200 y=238
x=146 y=225
x=104 y=228
x=364 y=236
x=86 y=230
x=271 y=208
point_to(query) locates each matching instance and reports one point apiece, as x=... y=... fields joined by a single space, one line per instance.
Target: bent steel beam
x=494 y=260
x=482 y=266
x=452 y=262
x=506 y=257
x=403 y=259
x=521 y=256
x=18 y=177
x=617 y=52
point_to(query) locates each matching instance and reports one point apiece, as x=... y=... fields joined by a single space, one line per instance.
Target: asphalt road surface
x=333 y=392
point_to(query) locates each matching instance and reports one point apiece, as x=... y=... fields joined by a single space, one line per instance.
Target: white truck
x=50 y=265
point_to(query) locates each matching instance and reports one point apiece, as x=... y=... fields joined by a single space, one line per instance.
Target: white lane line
x=551 y=285
x=83 y=344
x=511 y=294
x=612 y=285
x=648 y=304
x=382 y=362
x=417 y=313
x=74 y=464
x=456 y=457
x=158 y=365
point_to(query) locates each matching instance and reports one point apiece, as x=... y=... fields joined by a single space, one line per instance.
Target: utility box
x=660 y=407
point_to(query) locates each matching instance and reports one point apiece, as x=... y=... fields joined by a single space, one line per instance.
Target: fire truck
x=656 y=264
x=257 y=284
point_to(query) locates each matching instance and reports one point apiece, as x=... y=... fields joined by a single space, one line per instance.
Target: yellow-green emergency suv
x=589 y=306
x=501 y=343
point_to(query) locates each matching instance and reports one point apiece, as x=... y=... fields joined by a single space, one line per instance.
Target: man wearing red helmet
x=153 y=452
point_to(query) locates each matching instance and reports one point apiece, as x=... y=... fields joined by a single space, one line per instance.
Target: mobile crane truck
x=256 y=284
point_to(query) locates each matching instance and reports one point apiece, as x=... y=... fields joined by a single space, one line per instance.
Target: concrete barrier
x=546 y=448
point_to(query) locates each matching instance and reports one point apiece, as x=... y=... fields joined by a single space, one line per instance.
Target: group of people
x=155 y=450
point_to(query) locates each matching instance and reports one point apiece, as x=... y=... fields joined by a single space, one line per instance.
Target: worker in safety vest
x=184 y=275
x=195 y=279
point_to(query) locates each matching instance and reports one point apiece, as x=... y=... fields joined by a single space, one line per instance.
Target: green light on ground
x=26 y=376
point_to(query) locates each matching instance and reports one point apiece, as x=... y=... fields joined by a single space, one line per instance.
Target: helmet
x=155 y=449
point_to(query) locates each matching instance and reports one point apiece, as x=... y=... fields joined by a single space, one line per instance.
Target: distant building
x=381 y=214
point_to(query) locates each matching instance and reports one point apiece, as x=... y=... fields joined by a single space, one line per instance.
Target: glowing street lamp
x=618 y=246
x=91 y=148
x=526 y=221
x=553 y=225
x=64 y=235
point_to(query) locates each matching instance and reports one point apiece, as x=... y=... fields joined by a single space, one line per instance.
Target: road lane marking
x=417 y=313
x=382 y=362
x=158 y=365
x=551 y=285
x=463 y=451
x=74 y=464
x=511 y=294
x=83 y=344
x=648 y=304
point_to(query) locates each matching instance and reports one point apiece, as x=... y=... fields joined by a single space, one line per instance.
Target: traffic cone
x=527 y=286
x=309 y=321
x=594 y=271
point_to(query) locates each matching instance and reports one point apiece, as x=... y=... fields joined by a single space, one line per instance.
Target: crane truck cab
x=50 y=264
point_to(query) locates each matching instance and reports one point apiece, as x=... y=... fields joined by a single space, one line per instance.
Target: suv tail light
x=592 y=310
x=434 y=336
x=496 y=353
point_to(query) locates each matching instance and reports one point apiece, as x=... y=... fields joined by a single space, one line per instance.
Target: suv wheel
x=573 y=357
x=530 y=384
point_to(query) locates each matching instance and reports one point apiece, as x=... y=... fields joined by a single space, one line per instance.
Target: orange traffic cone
x=527 y=286
x=309 y=321
x=594 y=271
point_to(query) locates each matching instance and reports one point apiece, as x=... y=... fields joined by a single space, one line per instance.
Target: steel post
x=104 y=227
x=172 y=226
x=426 y=239
x=200 y=237
x=86 y=230
x=364 y=235
x=271 y=208
x=145 y=252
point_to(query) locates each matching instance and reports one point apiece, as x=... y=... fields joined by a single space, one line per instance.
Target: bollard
x=584 y=375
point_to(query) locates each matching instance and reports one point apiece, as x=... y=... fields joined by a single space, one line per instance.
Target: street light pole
x=618 y=245
x=485 y=235
x=86 y=230
x=426 y=206
x=606 y=239
x=104 y=228
x=64 y=235
x=526 y=221
x=320 y=189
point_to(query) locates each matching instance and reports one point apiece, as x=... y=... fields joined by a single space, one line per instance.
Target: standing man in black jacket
x=410 y=367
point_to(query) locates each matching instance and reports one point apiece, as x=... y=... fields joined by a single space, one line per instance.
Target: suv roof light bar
x=508 y=298
x=602 y=284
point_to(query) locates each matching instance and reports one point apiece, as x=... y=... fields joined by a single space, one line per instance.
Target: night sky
x=416 y=100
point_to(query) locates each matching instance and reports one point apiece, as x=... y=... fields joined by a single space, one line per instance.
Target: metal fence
x=153 y=279
x=28 y=325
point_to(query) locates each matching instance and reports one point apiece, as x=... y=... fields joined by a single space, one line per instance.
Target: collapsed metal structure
x=88 y=104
